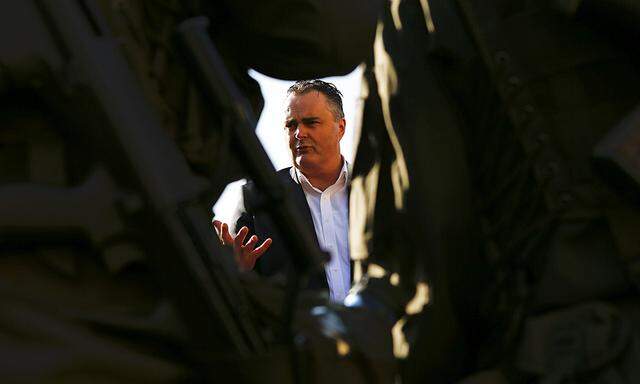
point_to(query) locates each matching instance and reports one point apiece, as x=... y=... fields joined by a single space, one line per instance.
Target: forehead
x=309 y=103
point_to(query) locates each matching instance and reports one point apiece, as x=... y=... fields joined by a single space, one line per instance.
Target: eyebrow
x=311 y=119
x=305 y=120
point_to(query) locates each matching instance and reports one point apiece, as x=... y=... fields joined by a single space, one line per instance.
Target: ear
x=341 y=127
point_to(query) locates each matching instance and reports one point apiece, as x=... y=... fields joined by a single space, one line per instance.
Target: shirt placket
x=329 y=235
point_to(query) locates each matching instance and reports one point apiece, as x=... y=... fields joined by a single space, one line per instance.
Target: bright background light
x=272 y=134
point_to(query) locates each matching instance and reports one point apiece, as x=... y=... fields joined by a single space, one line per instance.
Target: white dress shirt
x=330 y=213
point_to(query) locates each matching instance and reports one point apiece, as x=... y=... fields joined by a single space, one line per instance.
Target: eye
x=311 y=123
x=292 y=124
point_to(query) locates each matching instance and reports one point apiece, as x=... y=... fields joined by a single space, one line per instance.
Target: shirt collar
x=343 y=178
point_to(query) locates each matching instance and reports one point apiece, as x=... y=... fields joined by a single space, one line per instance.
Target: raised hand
x=246 y=254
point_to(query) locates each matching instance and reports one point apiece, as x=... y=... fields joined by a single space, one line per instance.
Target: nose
x=300 y=132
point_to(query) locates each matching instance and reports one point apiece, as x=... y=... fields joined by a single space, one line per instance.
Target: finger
x=217 y=224
x=242 y=234
x=262 y=248
x=251 y=243
x=226 y=236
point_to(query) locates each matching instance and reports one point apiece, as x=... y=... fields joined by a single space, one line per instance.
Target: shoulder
x=252 y=196
x=288 y=179
x=284 y=171
x=283 y=174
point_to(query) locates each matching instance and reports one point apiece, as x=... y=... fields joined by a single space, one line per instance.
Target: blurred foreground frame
x=469 y=170
x=106 y=220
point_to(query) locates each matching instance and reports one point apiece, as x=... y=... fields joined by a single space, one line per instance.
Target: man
x=317 y=183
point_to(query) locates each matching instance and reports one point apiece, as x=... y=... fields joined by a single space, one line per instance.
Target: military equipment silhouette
x=493 y=222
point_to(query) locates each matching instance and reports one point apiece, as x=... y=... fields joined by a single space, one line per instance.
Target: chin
x=303 y=163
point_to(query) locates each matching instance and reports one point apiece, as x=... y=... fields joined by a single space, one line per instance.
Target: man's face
x=314 y=132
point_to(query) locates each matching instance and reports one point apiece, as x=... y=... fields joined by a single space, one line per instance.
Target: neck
x=325 y=177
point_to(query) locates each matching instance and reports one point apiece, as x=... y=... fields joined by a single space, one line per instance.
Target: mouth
x=303 y=148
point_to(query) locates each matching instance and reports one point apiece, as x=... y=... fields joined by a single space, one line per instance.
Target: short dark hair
x=331 y=92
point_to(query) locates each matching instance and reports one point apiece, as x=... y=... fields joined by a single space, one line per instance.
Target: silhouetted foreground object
x=475 y=168
x=112 y=152
x=493 y=215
